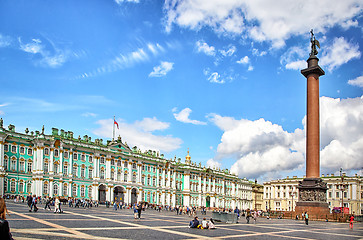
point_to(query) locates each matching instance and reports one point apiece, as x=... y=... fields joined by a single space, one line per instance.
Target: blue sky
x=221 y=78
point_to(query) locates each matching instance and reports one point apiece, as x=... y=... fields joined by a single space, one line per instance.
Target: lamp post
x=342 y=188
x=292 y=193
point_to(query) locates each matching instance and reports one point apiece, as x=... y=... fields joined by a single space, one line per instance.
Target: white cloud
x=256 y=52
x=356 y=82
x=183 y=116
x=244 y=60
x=205 y=48
x=275 y=22
x=48 y=59
x=213 y=164
x=139 y=134
x=261 y=147
x=2 y=112
x=89 y=114
x=151 y=124
x=293 y=58
x=119 y=2
x=297 y=65
x=162 y=69
x=5 y=41
x=339 y=53
x=228 y=52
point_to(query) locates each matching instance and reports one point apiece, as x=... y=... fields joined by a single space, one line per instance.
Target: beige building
x=282 y=194
x=257 y=196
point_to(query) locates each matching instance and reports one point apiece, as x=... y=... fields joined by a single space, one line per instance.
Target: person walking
x=5 y=233
x=47 y=203
x=57 y=205
x=139 y=209
x=34 y=203
x=248 y=215
x=351 y=219
x=306 y=218
x=255 y=214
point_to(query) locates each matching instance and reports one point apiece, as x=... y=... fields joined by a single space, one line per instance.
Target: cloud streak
x=162 y=69
x=183 y=116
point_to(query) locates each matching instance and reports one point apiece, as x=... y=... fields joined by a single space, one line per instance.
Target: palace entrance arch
x=118 y=194
x=134 y=193
x=102 y=193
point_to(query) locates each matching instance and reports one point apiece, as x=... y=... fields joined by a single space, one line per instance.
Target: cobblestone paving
x=105 y=223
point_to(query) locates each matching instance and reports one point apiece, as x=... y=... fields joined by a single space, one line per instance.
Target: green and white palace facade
x=62 y=165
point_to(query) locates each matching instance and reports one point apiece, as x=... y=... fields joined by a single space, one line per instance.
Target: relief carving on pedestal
x=309 y=195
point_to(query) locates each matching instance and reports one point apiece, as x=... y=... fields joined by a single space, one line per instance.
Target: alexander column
x=312 y=190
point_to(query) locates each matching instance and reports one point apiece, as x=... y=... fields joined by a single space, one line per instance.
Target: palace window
x=56 y=152
x=5 y=185
x=22 y=166
x=30 y=151
x=330 y=195
x=345 y=195
x=30 y=167
x=65 y=170
x=83 y=157
x=12 y=186
x=112 y=174
x=148 y=181
x=82 y=191
x=28 y=187
x=118 y=175
x=125 y=164
x=5 y=163
x=13 y=165
x=134 y=178
x=75 y=156
x=90 y=173
x=148 y=168
x=74 y=171
x=112 y=162
x=22 y=150
x=102 y=174
x=66 y=154
x=55 y=168
x=142 y=180
x=46 y=167
x=90 y=191
x=102 y=160
x=46 y=151
x=6 y=148
x=133 y=165
x=13 y=149
x=125 y=177
x=119 y=163
x=154 y=182
x=143 y=167
x=90 y=159
x=65 y=188
x=45 y=188
x=74 y=190
x=337 y=194
x=82 y=172
x=21 y=187
x=55 y=189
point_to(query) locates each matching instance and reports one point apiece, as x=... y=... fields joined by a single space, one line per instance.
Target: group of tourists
x=204 y=224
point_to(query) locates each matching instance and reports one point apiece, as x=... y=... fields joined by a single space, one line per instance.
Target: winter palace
x=62 y=165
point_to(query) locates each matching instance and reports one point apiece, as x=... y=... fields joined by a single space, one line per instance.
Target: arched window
x=74 y=190
x=45 y=188
x=90 y=192
x=56 y=153
x=29 y=187
x=90 y=159
x=112 y=174
x=148 y=181
x=22 y=150
x=134 y=177
x=12 y=186
x=102 y=174
x=46 y=167
x=82 y=191
x=22 y=166
x=125 y=177
x=13 y=164
x=82 y=171
x=74 y=170
x=21 y=187
x=119 y=175
x=6 y=163
x=55 y=189
x=90 y=173
x=46 y=151
x=65 y=188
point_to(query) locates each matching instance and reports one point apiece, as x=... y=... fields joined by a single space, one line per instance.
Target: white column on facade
x=95 y=192
x=127 y=195
x=51 y=161
x=168 y=182
x=174 y=181
x=2 y=154
x=139 y=175
x=70 y=187
x=108 y=168
x=60 y=188
x=129 y=169
x=95 y=167
x=163 y=176
x=51 y=188
x=109 y=193
x=70 y=167
x=61 y=162
x=157 y=177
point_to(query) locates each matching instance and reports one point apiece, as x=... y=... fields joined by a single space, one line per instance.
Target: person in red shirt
x=351 y=219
